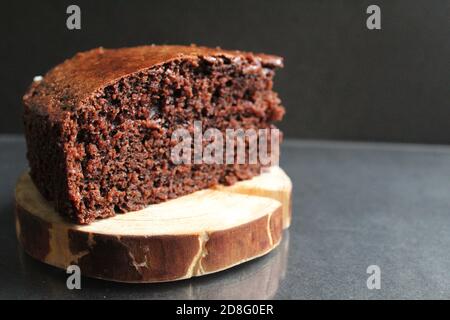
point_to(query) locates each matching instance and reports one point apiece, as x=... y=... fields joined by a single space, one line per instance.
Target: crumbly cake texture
x=99 y=125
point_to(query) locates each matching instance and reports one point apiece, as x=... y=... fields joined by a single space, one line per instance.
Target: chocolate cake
x=99 y=125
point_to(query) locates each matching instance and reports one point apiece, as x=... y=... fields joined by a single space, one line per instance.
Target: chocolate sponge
x=99 y=125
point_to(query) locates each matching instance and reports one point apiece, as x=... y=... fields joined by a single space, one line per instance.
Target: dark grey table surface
x=354 y=205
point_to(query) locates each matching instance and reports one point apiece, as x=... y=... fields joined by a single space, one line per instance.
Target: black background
x=340 y=81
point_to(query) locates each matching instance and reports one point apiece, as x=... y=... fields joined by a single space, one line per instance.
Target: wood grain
x=272 y=183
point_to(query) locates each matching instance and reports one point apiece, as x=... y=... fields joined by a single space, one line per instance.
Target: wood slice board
x=204 y=232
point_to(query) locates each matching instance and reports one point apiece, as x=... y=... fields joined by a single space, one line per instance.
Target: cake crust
x=74 y=80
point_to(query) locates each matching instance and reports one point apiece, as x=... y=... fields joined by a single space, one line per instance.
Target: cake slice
x=99 y=127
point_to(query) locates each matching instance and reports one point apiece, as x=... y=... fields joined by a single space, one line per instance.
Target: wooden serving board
x=201 y=233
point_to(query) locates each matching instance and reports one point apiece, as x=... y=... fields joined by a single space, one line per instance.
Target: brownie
x=99 y=126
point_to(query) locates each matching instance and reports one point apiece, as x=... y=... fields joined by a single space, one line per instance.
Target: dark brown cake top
x=74 y=80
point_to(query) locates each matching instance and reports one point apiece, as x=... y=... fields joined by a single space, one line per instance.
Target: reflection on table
x=257 y=279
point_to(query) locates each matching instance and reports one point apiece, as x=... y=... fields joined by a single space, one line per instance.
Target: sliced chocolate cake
x=99 y=126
